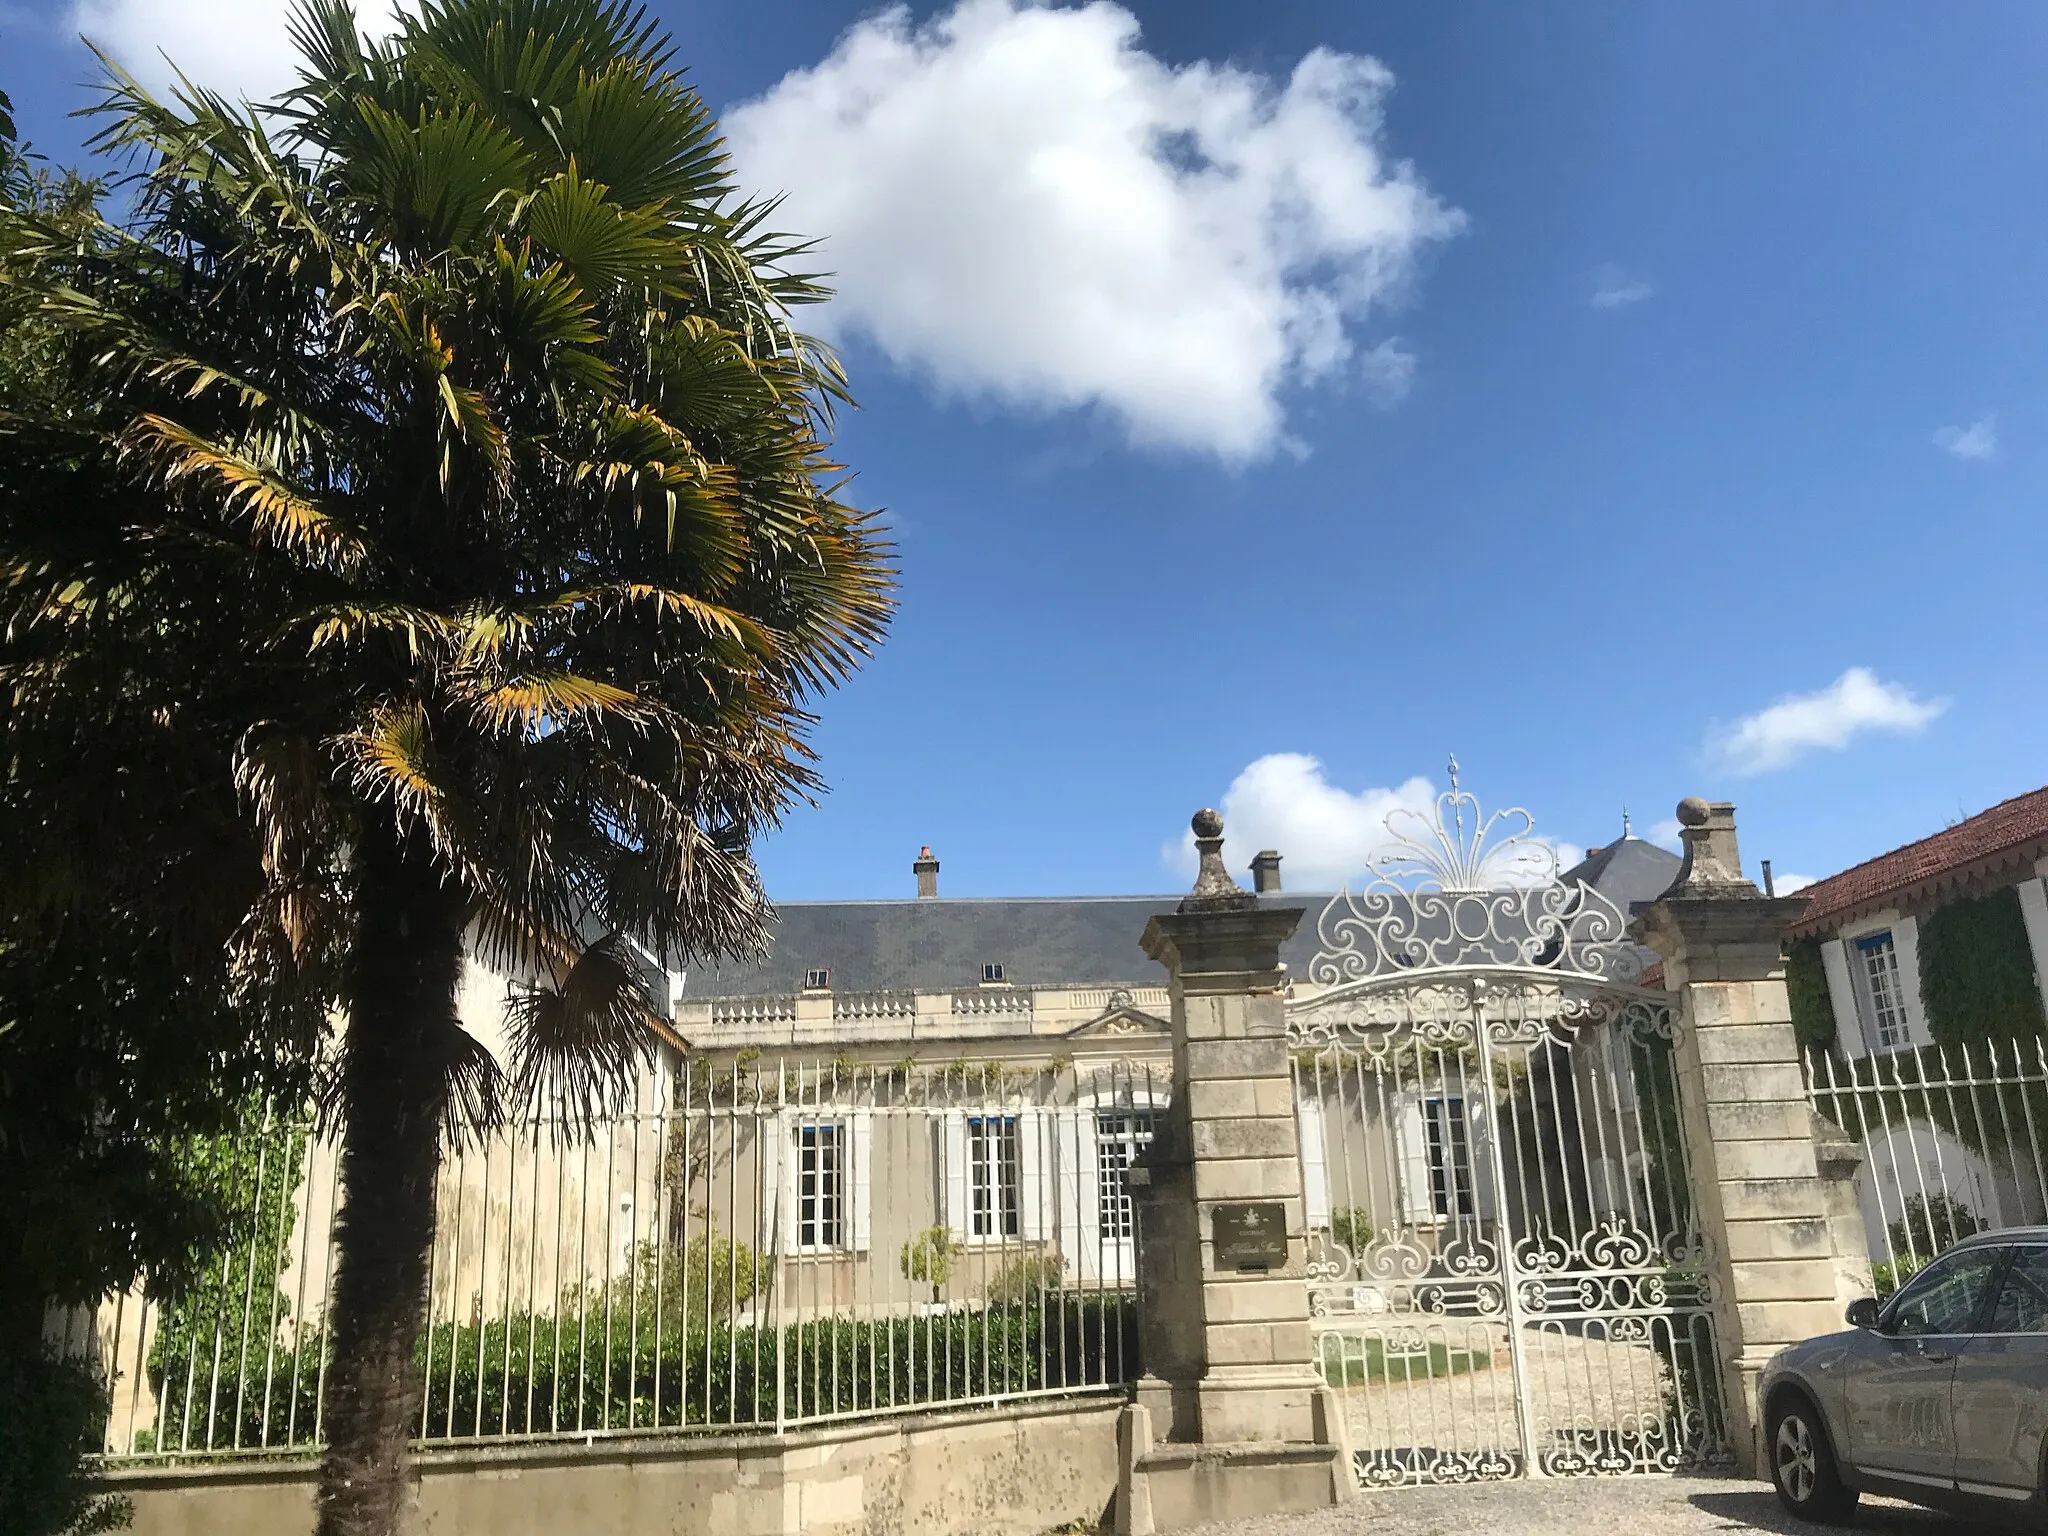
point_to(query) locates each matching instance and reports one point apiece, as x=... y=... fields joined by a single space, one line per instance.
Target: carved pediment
x=1120 y=1020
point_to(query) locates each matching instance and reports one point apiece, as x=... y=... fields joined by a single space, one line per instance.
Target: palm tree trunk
x=401 y=986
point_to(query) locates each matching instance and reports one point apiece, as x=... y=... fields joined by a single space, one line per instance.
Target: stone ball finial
x=1207 y=823
x=1693 y=811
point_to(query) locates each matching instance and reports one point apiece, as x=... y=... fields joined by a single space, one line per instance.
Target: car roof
x=2005 y=1235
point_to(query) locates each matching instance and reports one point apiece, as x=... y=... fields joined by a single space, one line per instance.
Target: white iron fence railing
x=1952 y=1141
x=776 y=1244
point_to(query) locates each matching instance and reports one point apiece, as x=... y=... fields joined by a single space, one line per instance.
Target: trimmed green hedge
x=538 y=1374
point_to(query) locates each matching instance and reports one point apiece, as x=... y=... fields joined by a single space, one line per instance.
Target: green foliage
x=929 y=1257
x=1026 y=1280
x=708 y=1277
x=431 y=498
x=1351 y=1226
x=50 y=1423
x=1930 y=1225
x=1885 y=1278
x=1806 y=984
x=1366 y=1361
x=1977 y=972
x=233 y=1298
x=606 y=1367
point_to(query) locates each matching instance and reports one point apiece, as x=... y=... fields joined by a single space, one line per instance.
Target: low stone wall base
x=1016 y=1470
x=1172 y=1486
x=1190 y=1485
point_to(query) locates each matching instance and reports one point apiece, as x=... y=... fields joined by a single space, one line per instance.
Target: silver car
x=1940 y=1395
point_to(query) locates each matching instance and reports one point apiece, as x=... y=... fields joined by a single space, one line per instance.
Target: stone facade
x=1787 y=1262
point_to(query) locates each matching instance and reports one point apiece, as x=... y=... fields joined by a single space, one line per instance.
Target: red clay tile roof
x=2010 y=824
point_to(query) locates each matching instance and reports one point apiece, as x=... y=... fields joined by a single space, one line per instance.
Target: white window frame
x=1467 y=1186
x=782 y=1177
x=995 y=1177
x=1881 y=991
x=1117 y=1143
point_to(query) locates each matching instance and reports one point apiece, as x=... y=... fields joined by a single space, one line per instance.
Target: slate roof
x=2008 y=832
x=1628 y=872
x=931 y=945
x=1046 y=941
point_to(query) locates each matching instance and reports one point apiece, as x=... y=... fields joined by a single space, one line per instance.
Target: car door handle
x=1937 y=1356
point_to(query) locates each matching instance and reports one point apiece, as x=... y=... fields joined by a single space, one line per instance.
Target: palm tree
x=468 y=429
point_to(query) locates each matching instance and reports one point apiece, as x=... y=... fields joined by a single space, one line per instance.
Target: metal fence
x=771 y=1244
x=1952 y=1141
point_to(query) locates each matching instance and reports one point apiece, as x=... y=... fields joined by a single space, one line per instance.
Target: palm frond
x=279 y=512
x=581 y=1040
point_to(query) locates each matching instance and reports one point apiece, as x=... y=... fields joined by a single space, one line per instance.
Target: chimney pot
x=1266 y=871
x=926 y=868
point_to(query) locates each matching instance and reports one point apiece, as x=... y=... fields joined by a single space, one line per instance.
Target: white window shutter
x=1034 y=1216
x=860 y=1135
x=1479 y=1141
x=1412 y=1148
x=777 y=1205
x=952 y=1129
x=1315 y=1156
x=1834 y=961
x=1072 y=1231
x=1906 y=943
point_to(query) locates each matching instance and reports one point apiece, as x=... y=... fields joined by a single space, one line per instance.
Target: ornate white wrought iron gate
x=1506 y=1275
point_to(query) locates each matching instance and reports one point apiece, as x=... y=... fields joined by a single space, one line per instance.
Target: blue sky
x=1638 y=369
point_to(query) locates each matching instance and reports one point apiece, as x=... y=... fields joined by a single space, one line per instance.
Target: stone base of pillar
x=1247 y=1404
x=1172 y=1487
x=1745 y=1425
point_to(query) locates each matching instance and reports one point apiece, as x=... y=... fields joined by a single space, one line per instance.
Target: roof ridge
x=1826 y=897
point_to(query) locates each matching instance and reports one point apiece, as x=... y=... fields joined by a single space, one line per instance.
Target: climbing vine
x=1806 y=983
x=1977 y=972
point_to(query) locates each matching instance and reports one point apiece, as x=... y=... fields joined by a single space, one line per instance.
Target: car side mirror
x=1862 y=1313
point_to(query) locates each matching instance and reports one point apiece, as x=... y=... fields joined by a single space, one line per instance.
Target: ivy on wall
x=1806 y=982
x=1977 y=973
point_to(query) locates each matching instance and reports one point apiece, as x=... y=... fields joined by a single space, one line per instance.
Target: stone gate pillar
x=1231 y=1418
x=1766 y=1179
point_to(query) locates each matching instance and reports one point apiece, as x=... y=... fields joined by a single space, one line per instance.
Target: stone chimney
x=927 y=870
x=1266 y=871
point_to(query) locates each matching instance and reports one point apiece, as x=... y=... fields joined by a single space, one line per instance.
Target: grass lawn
x=1366 y=1361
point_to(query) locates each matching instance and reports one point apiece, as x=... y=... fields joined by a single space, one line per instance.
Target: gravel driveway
x=1642 y=1506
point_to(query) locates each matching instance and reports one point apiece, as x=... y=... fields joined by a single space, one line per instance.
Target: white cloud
x=1614 y=288
x=1020 y=202
x=1328 y=836
x=1974 y=444
x=1665 y=834
x=1857 y=702
x=1785 y=885
x=240 y=47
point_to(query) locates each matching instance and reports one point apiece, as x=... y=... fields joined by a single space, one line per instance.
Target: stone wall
x=1018 y=1470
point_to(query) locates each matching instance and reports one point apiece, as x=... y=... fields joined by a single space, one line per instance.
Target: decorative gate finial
x=1214 y=889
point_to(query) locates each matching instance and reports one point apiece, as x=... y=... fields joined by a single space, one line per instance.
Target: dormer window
x=818 y=979
x=991 y=972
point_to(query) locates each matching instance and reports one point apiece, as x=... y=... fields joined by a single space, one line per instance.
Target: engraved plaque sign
x=1250 y=1238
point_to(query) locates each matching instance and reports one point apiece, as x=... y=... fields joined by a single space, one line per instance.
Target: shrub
x=50 y=1424
x=1887 y=1278
x=602 y=1368
x=1351 y=1227
x=929 y=1257
x=709 y=1276
x=1931 y=1223
x=1026 y=1279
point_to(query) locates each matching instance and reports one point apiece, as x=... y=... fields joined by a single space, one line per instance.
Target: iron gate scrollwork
x=1506 y=1274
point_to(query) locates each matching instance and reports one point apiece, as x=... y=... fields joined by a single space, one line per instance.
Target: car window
x=2022 y=1305
x=1943 y=1297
